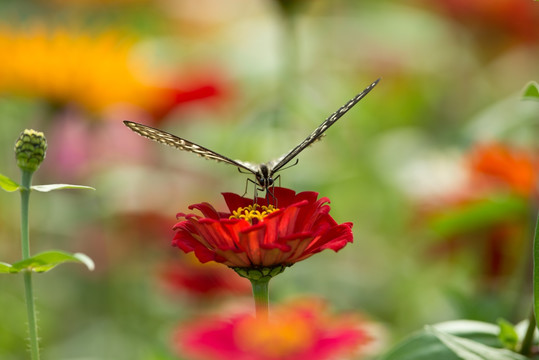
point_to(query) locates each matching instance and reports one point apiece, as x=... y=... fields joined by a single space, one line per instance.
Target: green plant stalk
x=261 y=296
x=527 y=342
x=25 y=244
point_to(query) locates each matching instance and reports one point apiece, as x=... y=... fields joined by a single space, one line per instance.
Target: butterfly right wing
x=316 y=135
x=166 y=138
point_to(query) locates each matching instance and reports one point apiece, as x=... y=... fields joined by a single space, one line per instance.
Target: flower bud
x=30 y=150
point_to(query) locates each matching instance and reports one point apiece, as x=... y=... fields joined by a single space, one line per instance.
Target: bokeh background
x=436 y=167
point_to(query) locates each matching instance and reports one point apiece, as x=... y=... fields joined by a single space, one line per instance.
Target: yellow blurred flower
x=94 y=70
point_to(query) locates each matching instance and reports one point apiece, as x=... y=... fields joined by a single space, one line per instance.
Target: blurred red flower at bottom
x=301 y=331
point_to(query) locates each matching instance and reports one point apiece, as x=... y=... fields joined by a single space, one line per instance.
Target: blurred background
x=437 y=167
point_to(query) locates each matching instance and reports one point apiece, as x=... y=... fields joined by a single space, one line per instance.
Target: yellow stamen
x=251 y=213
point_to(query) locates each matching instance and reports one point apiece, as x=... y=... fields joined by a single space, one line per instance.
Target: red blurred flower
x=260 y=235
x=302 y=331
x=497 y=19
x=188 y=276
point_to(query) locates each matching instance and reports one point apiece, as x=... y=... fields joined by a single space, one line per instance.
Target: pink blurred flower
x=300 y=331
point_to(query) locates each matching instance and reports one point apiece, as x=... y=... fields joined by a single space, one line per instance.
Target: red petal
x=234 y=201
x=207 y=210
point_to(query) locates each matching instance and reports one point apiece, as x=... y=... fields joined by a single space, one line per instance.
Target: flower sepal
x=260 y=273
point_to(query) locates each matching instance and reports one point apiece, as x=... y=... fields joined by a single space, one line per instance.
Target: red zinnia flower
x=259 y=235
x=302 y=331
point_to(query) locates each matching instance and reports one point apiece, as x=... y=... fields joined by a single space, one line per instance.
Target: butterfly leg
x=255 y=197
x=278 y=177
x=270 y=193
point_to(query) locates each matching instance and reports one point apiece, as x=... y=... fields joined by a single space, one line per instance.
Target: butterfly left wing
x=166 y=138
x=276 y=165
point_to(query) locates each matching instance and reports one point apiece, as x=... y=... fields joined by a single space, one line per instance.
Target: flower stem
x=25 y=200
x=25 y=244
x=527 y=342
x=261 y=296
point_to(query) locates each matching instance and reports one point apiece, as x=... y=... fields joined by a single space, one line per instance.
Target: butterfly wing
x=166 y=138
x=276 y=165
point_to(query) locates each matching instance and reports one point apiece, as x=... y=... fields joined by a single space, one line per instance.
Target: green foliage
x=7 y=184
x=10 y=185
x=46 y=261
x=531 y=91
x=508 y=335
x=536 y=269
x=468 y=340
x=51 y=187
x=467 y=349
x=479 y=215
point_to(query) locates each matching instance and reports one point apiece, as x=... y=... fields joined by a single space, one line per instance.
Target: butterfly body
x=264 y=173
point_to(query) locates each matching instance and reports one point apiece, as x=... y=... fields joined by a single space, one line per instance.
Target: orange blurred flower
x=94 y=70
x=490 y=212
x=299 y=331
x=502 y=166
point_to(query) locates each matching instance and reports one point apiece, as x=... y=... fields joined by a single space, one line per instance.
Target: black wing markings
x=263 y=172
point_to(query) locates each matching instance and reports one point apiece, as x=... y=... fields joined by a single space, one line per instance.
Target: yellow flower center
x=253 y=213
x=288 y=335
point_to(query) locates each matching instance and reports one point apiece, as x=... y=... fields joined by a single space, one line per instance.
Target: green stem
x=25 y=200
x=527 y=342
x=25 y=244
x=261 y=296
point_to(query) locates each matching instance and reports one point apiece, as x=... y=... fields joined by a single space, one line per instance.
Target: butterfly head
x=264 y=177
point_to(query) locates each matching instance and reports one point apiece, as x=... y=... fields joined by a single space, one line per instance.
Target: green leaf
x=48 y=260
x=531 y=91
x=7 y=184
x=5 y=268
x=425 y=345
x=47 y=188
x=536 y=270
x=508 y=335
x=478 y=215
x=467 y=349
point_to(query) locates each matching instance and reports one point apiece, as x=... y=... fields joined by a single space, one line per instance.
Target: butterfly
x=264 y=173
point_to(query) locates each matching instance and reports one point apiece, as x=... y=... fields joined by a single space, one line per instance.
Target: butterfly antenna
x=243 y=172
x=288 y=167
